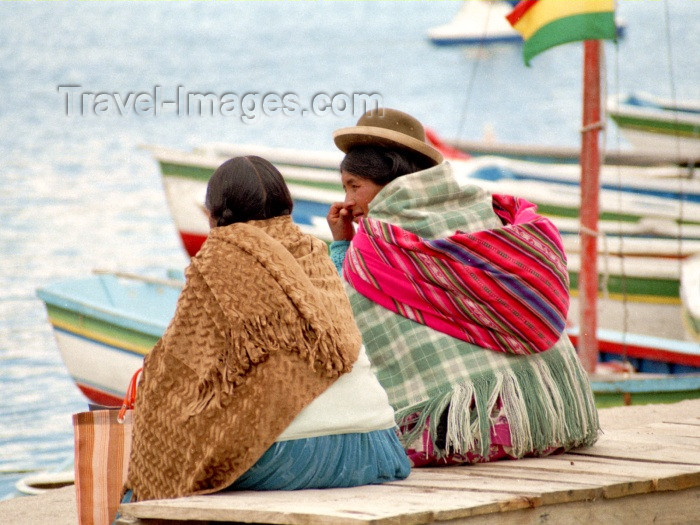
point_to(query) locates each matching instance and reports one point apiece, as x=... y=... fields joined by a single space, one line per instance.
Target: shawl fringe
x=548 y=405
x=253 y=334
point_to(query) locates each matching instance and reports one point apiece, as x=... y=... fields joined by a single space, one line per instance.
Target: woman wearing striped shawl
x=461 y=298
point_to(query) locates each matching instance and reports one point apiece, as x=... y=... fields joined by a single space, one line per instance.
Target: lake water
x=77 y=193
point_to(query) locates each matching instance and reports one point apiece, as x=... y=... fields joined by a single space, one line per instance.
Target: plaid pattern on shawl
x=545 y=397
x=505 y=288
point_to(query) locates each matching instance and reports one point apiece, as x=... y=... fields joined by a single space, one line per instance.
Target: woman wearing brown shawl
x=259 y=381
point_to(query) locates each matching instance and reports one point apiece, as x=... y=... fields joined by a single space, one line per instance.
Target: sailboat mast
x=590 y=169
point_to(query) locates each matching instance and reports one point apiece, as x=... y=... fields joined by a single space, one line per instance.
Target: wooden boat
x=634 y=279
x=478 y=22
x=658 y=125
x=658 y=192
x=659 y=137
x=41 y=482
x=185 y=177
x=570 y=155
x=646 y=219
x=106 y=323
x=540 y=153
x=690 y=295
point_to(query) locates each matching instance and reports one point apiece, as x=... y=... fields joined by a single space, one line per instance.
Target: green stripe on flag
x=588 y=26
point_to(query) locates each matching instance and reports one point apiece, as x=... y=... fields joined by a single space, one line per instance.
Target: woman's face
x=359 y=193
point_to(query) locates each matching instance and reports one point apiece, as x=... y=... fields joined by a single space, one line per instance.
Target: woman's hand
x=340 y=221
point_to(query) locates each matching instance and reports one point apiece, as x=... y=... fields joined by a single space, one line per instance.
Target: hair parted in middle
x=247 y=188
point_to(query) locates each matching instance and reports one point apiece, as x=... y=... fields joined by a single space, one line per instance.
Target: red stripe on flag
x=519 y=11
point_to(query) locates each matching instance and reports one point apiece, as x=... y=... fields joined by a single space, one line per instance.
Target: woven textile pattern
x=262 y=327
x=504 y=288
x=545 y=397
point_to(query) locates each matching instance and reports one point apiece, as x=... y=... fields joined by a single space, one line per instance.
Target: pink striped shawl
x=504 y=289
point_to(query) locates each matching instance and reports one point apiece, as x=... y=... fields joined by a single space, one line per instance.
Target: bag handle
x=130 y=397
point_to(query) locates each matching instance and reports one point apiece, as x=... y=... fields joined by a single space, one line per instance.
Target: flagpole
x=590 y=169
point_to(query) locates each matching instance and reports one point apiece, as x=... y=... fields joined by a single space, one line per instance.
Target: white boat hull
x=648 y=141
x=102 y=372
x=656 y=125
x=477 y=22
x=690 y=295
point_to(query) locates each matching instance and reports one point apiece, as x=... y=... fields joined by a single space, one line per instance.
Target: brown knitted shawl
x=262 y=327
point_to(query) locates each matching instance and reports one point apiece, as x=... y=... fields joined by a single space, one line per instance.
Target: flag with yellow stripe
x=548 y=23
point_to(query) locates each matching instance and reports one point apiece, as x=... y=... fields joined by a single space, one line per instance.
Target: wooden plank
x=451 y=493
x=660 y=507
x=386 y=504
x=667 y=438
x=635 y=416
x=674 y=440
x=631 y=447
x=660 y=476
x=576 y=465
x=542 y=490
x=558 y=481
x=634 y=472
x=478 y=489
x=689 y=428
x=565 y=153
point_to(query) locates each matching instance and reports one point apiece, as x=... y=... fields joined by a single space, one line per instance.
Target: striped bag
x=102 y=449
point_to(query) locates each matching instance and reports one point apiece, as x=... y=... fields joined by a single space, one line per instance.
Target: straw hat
x=390 y=128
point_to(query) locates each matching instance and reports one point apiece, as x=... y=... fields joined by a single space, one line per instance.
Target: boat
x=105 y=324
x=658 y=125
x=477 y=22
x=482 y=22
x=185 y=176
x=40 y=482
x=543 y=153
x=690 y=295
x=660 y=194
x=658 y=221
x=452 y=148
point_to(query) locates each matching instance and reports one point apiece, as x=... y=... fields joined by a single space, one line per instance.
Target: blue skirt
x=343 y=460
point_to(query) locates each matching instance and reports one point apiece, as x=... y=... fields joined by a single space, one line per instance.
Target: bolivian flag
x=548 y=23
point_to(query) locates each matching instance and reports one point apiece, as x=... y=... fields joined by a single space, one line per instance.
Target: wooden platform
x=645 y=471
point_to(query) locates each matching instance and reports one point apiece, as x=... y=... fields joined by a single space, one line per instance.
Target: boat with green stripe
x=106 y=323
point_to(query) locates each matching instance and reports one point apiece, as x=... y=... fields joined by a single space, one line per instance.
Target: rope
x=594 y=126
x=620 y=233
x=472 y=78
x=172 y=283
x=672 y=85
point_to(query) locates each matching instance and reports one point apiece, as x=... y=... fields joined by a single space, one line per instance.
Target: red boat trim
x=192 y=242
x=100 y=397
x=643 y=352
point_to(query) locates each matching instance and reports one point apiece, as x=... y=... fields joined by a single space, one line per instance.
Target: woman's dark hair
x=245 y=189
x=382 y=165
